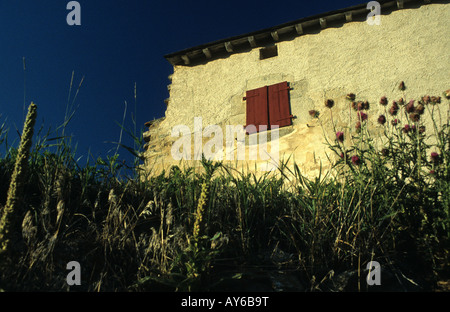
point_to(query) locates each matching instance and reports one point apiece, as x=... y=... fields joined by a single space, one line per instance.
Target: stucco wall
x=410 y=45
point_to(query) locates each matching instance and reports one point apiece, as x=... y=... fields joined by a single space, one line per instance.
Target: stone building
x=277 y=76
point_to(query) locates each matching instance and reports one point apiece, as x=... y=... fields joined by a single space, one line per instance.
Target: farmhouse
x=278 y=79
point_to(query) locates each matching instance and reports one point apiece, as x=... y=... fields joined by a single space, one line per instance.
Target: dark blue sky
x=118 y=44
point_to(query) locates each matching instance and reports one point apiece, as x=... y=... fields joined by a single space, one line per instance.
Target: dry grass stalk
x=9 y=225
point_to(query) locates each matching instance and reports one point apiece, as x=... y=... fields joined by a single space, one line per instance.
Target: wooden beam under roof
x=185 y=59
x=229 y=46
x=274 y=35
x=348 y=16
x=207 y=53
x=251 y=40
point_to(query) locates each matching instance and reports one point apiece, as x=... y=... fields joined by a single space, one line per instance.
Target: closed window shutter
x=279 y=110
x=257 y=108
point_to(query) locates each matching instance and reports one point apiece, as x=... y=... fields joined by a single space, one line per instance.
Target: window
x=268 y=52
x=268 y=106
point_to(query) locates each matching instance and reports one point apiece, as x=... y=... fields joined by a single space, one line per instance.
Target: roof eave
x=205 y=52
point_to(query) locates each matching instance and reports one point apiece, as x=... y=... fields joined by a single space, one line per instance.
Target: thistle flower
x=406 y=129
x=394 y=109
x=354 y=106
x=9 y=223
x=435 y=99
x=447 y=94
x=360 y=105
x=420 y=109
x=434 y=157
x=410 y=107
x=329 y=103
x=414 y=117
x=422 y=129
x=362 y=116
x=401 y=86
x=351 y=96
x=340 y=136
x=355 y=160
x=426 y=99
x=366 y=105
x=383 y=101
x=382 y=120
x=401 y=101
x=313 y=113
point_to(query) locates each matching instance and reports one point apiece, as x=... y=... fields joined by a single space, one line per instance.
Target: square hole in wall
x=268 y=52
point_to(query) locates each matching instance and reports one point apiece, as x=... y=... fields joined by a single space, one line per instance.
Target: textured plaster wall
x=411 y=45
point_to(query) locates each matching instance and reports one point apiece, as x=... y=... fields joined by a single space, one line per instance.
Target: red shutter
x=279 y=111
x=257 y=110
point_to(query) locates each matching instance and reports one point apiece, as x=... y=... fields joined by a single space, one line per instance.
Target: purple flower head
x=340 y=136
x=394 y=109
x=401 y=86
x=355 y=160
x=394 y=122
x=382 y=120
x=410 y=107
x=414 y=117
x=360 y=105
x=383 y=101
x=406 y=128
x=420 y=109
x=362 y=116
x=426 y=99
x=434 y=157
x=329 y=103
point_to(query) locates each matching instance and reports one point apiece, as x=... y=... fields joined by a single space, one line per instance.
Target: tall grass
x=191 y=230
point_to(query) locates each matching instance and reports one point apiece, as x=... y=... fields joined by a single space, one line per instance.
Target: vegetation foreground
x=215 y=229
